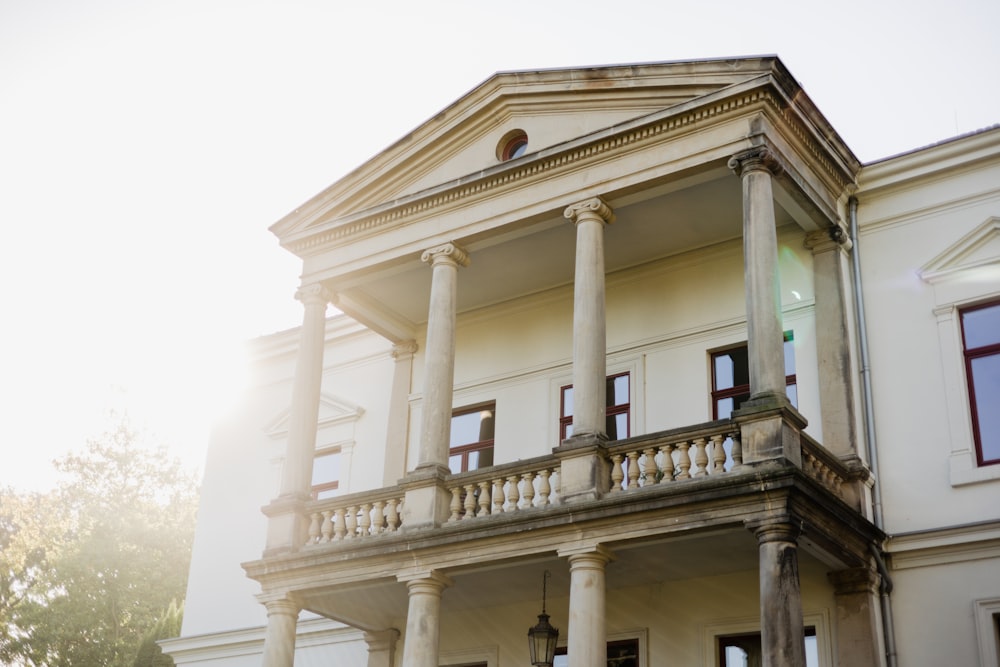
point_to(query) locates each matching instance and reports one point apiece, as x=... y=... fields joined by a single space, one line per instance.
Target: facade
x=650 y=336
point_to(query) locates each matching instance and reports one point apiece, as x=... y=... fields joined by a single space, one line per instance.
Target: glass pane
x=812 y=651
x=789 y=357
x=569 y=430
x=986 y=387
x=724 y=408
x=471 y=427
x=732 y=368
x=474 y=460
x=455 y=463
x=724 y=372
x=326 y=468
x=792 y=392
x=327 y=493
x=617 y=426
x=617 y=391
x=561 y=661
x=567 y=402
x=981 y=326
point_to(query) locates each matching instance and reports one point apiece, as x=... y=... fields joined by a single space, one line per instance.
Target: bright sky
x=146 y=146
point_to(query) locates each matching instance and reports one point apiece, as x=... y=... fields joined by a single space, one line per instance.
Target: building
x=650 y=336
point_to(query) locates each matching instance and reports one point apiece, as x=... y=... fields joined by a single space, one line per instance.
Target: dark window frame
x=619 y=646
x=741 y=390
x=486 y=444
x=969 y=356
x=334 y=485
x=610 y=411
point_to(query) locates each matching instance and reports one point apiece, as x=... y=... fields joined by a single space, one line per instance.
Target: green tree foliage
x=168 y=625
x=97 y=563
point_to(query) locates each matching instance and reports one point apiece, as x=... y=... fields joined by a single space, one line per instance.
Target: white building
x=644 y=328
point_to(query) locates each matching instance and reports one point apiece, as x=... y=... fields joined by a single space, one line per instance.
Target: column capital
x=448 y=253
x=783 y=528
x=283 y=606
x=432 y=580
x=404 y=350
x=831 y=238
x=597 y=553
x=314 y=293
x=590 y=209
x=758 y=158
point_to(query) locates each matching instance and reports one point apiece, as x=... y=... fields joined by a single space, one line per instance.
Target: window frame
x=610 y=411
x=464 y=450
x=968 y=356
x=638 y=636
x=315 y=490
x=717 y=395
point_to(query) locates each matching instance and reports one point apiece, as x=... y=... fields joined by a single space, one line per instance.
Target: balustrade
x=503 y=489
x=642 y=462
x=355 y=516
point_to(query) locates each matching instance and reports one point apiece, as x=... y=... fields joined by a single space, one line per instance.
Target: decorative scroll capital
x=758 y=158
x=404 y=350
x=449 y=253
x=589 y=209
x=831 y=238
x=314 y=294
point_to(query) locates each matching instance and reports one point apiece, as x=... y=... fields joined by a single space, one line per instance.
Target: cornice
x=759 y=92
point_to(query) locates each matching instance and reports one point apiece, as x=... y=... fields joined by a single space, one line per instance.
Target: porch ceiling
x=650 y=224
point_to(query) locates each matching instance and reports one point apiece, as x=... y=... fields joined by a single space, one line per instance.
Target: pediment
x=978 y=249
x=333 y=411
x=553 y=107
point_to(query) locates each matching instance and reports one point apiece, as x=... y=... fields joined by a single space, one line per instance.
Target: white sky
x=146 y=146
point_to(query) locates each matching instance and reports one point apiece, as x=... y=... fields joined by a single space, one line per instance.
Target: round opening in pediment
x=512 y=145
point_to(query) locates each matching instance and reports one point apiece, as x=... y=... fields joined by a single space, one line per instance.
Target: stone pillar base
x=770 y=430
x=584 y=471
x=287 y=525
x=427 y=502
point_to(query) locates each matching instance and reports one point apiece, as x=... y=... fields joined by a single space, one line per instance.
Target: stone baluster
x=314 y=524
x=700 y=458
x=513 y=495
x=633 y=470
x=528 y=495
x=649 y=471
x=683 y=460
x=352 y=521
x=340 y=524
x=456 y=504
x=378 y=518
x=484 y=499
x=327 y=528
x=617 y=474
x=668 y=463
x=544 y=488
x=365 y=520
x=498 y=499
x=470 y=501
x=718 y=454
x=737 y=451
x=392 y=516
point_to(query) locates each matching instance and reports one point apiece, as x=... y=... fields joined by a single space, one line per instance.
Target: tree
x=115 y=547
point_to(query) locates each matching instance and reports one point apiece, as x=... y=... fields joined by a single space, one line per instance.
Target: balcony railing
x=666 y=458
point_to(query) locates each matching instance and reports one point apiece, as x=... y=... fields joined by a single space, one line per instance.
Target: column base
x=584 y=470
x=427 y=502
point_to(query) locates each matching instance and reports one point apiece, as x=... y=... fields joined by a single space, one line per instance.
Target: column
x=296 y=475
x=765 y=337
x=439 y=355
x=589 y=333
x=381 y=647
x=781 y=627
x=858 y=616
x=397 y=431
x=423 y=619
x=833 y=339
x=587 y=634
x=287 y=525
x=279 y=638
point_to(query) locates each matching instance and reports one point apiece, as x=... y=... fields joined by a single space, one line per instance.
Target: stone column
x=833 y=339
x=287 y=526
x=399 y=413
x=423 y=619
x=279 y=638
x=858 y=616
x=588 y=637
x=589 y=334
x=765 y=337
x=439 y=355
x=781 y=627
x=381 y=647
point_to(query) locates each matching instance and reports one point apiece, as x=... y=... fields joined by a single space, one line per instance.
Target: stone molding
x=454 y=192
x=831 y=238
x=449 y=253
x=404 y=350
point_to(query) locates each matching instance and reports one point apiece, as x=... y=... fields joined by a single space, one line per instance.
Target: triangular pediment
x=978 y=249
x=333 y=410
x=553 y=107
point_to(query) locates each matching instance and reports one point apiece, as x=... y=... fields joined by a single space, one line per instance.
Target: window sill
x=964 y=471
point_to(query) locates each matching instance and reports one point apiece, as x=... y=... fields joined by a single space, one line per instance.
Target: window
x=981 y=343
x=745 y=650
x=617 y=402
x=621 y=653
x=326 y=474
x=513 y=145
x=731 y=378
x=472 y=438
